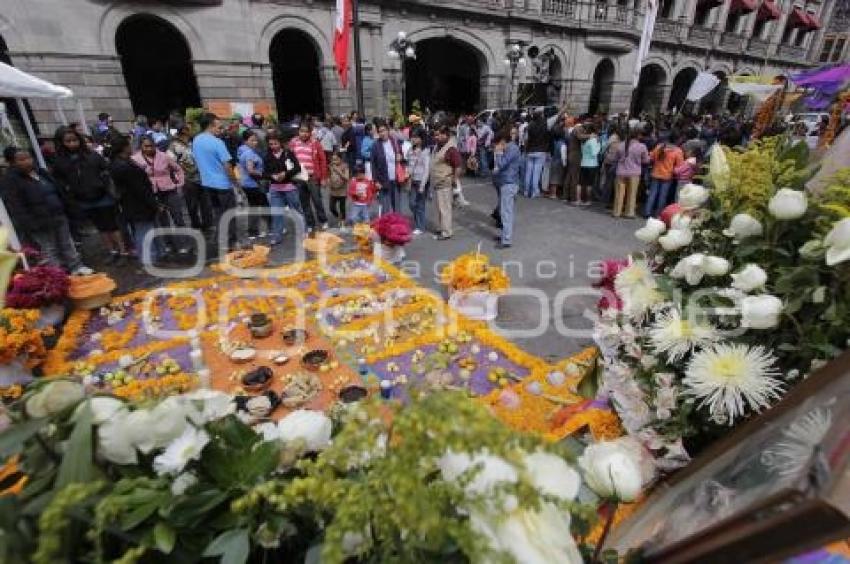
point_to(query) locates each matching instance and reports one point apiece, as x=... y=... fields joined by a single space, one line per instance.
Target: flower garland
x=151 y=388
x=472 y=271
x=20 y=338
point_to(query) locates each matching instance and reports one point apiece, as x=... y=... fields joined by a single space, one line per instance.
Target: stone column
x=378 y=101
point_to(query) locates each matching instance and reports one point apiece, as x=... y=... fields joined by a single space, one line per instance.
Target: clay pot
x=258 y=380
x=260 y=325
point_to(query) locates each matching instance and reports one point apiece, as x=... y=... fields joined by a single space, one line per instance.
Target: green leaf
x=77 y=464
x=236 y=457
x=589 y=384
x=13 y=439
x=234 y=546
x=138 y=515
x=190 y=509
x=164 y=537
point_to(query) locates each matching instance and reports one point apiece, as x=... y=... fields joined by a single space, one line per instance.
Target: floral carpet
x=380 y=329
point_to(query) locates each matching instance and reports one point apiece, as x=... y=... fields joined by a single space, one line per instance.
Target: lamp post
x=402 y=49
x=514 y=57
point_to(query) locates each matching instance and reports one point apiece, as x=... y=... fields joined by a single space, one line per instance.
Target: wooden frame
x=775 y=487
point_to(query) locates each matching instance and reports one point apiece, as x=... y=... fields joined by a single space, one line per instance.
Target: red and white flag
x=645 y=39
x=342 y=38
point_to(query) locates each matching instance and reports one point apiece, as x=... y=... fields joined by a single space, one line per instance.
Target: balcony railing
x=669 y=30
x=790 y=52
x=598 y=13
x=700 y=36
x=732 y=42
x=757 y=47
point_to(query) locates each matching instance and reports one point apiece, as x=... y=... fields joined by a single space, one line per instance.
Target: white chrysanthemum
x=677 y=337
x=178 y=454
x=637 y=288
x=789 y=457
x=733 y=378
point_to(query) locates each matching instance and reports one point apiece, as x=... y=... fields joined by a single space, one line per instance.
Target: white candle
x=204 y=378
x=197 y=357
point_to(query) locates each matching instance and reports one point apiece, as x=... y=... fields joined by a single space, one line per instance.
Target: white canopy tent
x=15 y=83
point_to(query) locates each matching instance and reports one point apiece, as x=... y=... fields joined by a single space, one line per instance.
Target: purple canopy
x=823 y=76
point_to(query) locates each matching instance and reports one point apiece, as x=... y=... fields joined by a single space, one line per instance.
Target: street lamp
x=514 y=57
x=402 y=48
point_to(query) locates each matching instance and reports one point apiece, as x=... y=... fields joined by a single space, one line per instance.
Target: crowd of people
x=339 y=171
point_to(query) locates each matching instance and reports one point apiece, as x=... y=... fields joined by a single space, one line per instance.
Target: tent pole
x=82 y=115
x=63 y=118
x=31 y=132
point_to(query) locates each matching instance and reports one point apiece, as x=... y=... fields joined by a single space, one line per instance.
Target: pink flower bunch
x=393 y=229
x=610 y=269
x=38 y=287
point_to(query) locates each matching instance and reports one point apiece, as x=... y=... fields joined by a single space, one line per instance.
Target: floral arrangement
x=184 y=476
x=38 y=287
x=393 y=229
x=745 y=293
x=471 y=272
x=20 y=338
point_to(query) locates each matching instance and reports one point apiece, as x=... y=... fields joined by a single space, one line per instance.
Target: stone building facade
x=277 y=51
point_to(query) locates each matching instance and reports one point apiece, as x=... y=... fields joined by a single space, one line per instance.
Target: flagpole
x=358 y=69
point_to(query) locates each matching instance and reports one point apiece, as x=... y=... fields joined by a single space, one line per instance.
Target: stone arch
x=649 y=94
x=660 y=62
x=602 y=89
x=296 y=59
x=724 y=68
x=156 y=61
x=484 y=53
x=116 y=14
x=689 y=63
x=682 y=81
x=319 y=37
x=556 y=73
x=746 y=71
x=446 y=74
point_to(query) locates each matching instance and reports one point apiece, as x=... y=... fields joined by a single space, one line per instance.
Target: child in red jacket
x=362 y=192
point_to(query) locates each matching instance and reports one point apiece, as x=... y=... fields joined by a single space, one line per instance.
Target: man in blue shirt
x=215 y=165
x=506 y=178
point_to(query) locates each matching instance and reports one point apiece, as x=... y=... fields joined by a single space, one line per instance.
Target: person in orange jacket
x=665 y=157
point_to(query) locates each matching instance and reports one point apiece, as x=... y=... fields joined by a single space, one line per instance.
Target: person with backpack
x=665 y=158
x=84 y=175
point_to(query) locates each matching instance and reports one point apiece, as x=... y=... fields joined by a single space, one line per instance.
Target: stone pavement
x=555 y=248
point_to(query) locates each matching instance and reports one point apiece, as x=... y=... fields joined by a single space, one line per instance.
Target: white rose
x=760 y=312
x=53 y=398
x=490 y=470
x=692 y=196
x=203 y=406
x=689 y=268
x=156 y=428
x=115 y=440
x=838 y=243
x=104 y=408
x=676 y=239
x=788 y=204
x=650 y=232
x=551 y=475
x=681 y=221
x=715 y=266
x=744 y=226
x=528 y=536
x=313 y=427
x=749 y=278
x=612 y=471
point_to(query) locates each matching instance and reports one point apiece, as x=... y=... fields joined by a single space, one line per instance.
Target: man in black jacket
x=38 y=210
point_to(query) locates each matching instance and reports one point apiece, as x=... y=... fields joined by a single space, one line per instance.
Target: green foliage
x=834 y=200
x=395 y=111
x=380 y=479
x=193 y=115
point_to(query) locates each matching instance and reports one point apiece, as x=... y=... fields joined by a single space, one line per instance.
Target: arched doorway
x=446 y=75
x=157 y=66
x=681 y=85
x=713 y=101
x=603 y=86
x=553 y=90
x=648 y=95
x=295 y=74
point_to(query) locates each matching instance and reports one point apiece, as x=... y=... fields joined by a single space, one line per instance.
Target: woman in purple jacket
x=632 y=155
